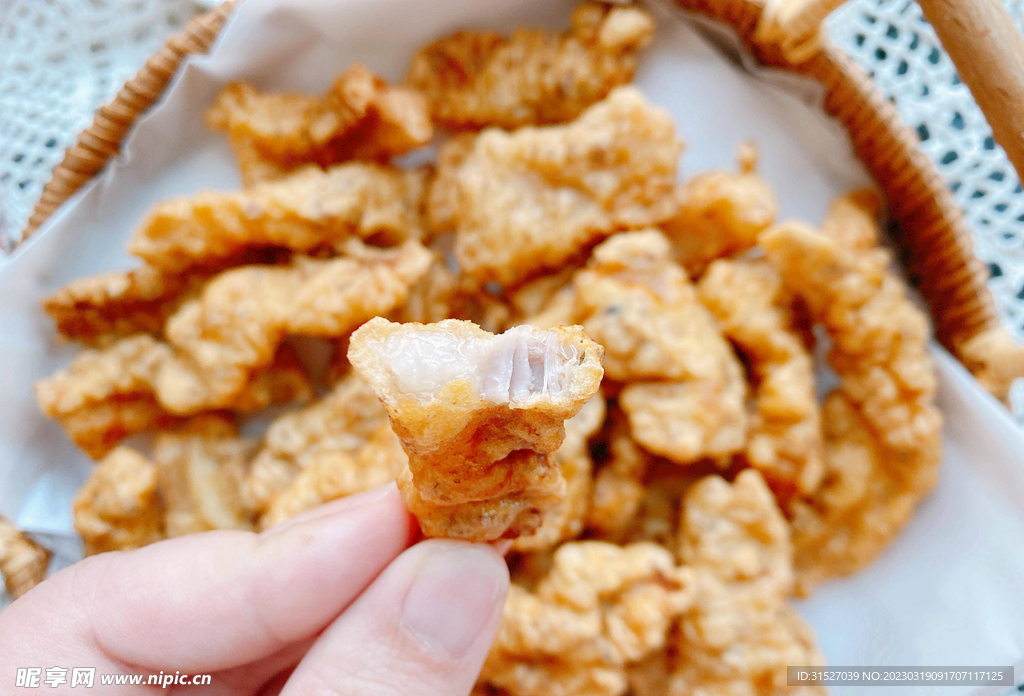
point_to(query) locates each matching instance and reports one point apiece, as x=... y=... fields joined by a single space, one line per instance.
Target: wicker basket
x=933 y=236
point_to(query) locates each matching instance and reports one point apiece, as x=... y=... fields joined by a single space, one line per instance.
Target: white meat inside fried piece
x=685 y=389
x=479 y=416
x=23 y=562
x=120 y=507
x=882 y=427
x=360 y=117
x=739 y=635
x=600 y=609
x=531 y=200
x=475 y=79
x=763 y=322
x=308 y=210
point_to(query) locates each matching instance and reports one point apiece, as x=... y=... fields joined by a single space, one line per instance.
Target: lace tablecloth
x=60 y=59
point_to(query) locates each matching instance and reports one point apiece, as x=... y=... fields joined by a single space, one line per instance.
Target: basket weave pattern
x=934 y=240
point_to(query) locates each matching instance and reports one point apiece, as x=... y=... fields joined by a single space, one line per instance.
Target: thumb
x=424 y=626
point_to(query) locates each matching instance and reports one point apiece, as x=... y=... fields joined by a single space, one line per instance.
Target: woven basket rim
x=935 y=241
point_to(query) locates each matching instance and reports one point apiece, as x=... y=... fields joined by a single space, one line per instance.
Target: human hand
x=329 y=602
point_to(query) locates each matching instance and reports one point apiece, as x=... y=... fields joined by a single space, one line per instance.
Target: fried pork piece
x=477 y=79
x=600 y=609
x=739 y=635
x=23 y=562
x=107 y=394
x=720 y=213
x=565 y=520
x=479 y=416
x=201 y=467
x=684 y=388
x=882 y=428
x=996 y=360
x=238 y=322
x=760 y=318
x=618 y=489
x=119 y=507
x=333 y=474
x=335 y=427
x=360 y=117
x=531 y=200
x=308 y=210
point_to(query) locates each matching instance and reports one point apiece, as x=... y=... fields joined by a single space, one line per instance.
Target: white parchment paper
x=950 y=590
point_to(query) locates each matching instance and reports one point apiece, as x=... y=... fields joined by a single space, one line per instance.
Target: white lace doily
x=61 y=59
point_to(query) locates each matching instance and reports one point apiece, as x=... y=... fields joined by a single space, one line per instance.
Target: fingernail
x=454 y=597
x=335 y=507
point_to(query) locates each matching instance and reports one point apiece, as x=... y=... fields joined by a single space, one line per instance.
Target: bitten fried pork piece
x=565 y=520
x=530 y=200
x=760 y=318
x=739 y=634
x=360 y=117
x=305 y=211
x=479 y=416
x=119 y=507
x=108 y=394
x=685 y=389
x=23 y=562
x=477 y=79
x=600 y=609
x=720 y=214
x=336 y=426
x=882 y=428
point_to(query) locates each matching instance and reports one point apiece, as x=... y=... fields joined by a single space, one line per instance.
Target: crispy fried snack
x=360 y=117
x=442 y=202
x=882 y=428
x=996 y=360
x=720 y=213
x=600 y=609
x=531 y=200
x=308 y=210
x=201 y=468
x=336 y=427
x=739 y=634
x=119 y=507
x=478 y=415
x=477 y=79
x=333 y=474
x=239 y=321
x=684 y=388
x=565 y=520
x=105 y=395
x=23 y=562
x=760 y=318
x=618 y=489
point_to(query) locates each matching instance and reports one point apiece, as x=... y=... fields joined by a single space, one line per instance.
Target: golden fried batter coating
x=531 y=200
x=739 y=634
x=565 y=520
x=719 y=214
x=238 y=322
x=477 y=79
x=618 y=490
x=119 y=507
x=335 y=427
x=360 y=117
x=882 y=428
x=333 y=474
x=600 y=609
x=107 y=394
x=478 y=415
x=201 y=468
x=759 y=317
x=308 y=210
x=685 y=389
x=23 y=562
x=995 y=359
